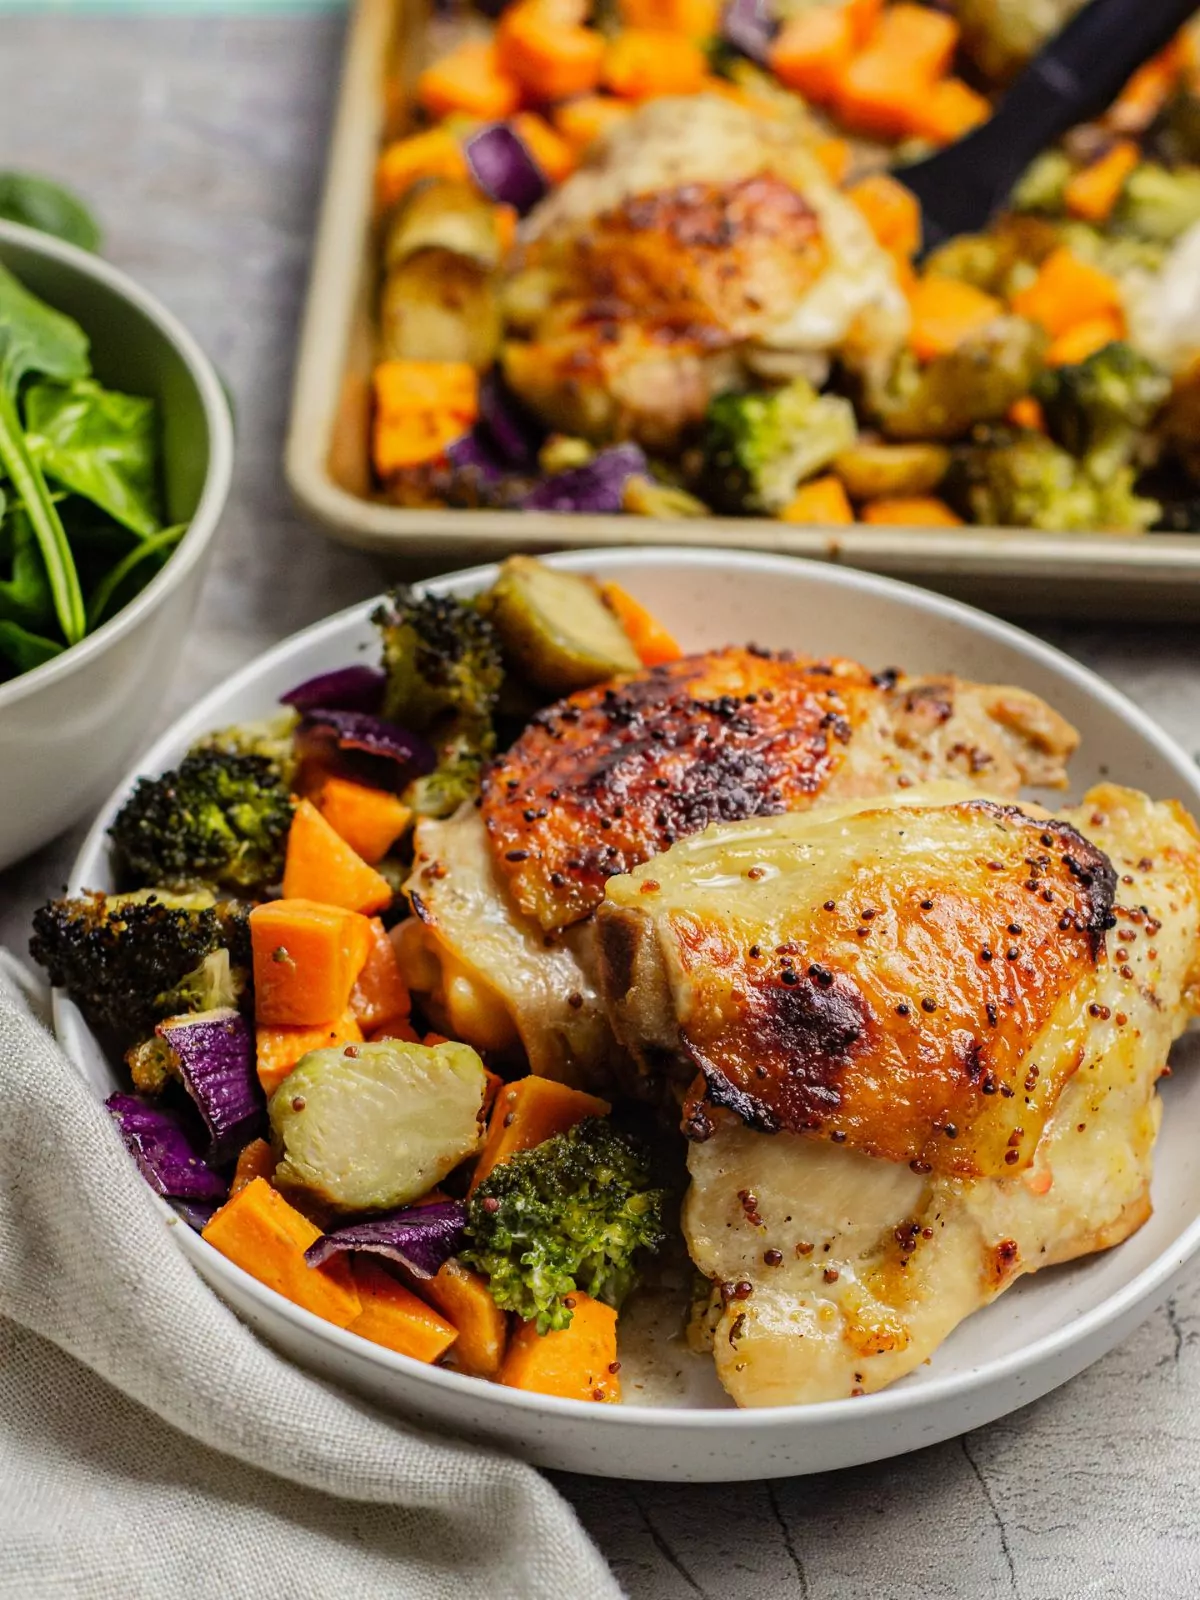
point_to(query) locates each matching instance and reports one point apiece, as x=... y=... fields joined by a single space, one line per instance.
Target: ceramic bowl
x=674 y=1422
x=68 y=728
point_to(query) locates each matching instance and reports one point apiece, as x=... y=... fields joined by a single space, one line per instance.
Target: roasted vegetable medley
x=289 y=1093
x=650 y=258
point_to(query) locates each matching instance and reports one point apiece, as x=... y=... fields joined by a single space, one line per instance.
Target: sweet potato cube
x=465 y=1300
x=307 y=958
x=394 y=1317
x=261 y=1233
x=277 y=1050
x=528 y=1111
x=321 y=866
x=575 y=1362
x=369 y=820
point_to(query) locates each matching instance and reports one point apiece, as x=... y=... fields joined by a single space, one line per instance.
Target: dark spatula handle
x=1083 y=69
x=1075 y=77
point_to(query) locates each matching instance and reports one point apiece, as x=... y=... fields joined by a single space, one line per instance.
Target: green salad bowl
x=67 y=728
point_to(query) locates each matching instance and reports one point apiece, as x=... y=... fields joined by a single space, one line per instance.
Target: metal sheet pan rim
x=1076 y=564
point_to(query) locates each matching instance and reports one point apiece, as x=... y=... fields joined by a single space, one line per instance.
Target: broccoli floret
x=129 y=960
x=444 y=673
x=220 y=819
x=1024 y=480
x=1158 y=204
x=274 y=739
x=758 y=448
x=1099 y=409
x=576 y=1212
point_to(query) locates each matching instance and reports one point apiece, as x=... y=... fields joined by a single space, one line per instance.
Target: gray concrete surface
x=200 y=140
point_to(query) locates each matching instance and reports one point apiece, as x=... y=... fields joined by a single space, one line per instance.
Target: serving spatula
x=1072 y=79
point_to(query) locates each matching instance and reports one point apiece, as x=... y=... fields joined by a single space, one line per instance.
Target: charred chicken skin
x=501 y=945
x=614 y=775
x=697 y=244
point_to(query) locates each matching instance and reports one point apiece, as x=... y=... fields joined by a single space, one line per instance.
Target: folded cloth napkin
x=150 y=1445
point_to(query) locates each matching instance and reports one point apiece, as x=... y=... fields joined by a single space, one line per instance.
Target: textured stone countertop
x=200 y=138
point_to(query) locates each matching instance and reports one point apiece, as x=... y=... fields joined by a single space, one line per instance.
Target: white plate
x=1042 y=1332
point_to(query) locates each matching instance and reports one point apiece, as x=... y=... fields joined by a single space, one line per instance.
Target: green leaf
x=24 y=649
x=160 y=544
x=100 y=444
x=25 y=595
x=40 y=203
x=47 y=525
x=34 y=338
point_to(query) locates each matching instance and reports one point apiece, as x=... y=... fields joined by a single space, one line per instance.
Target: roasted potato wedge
x=872 y=470
x=439 y=306
x=443 y=216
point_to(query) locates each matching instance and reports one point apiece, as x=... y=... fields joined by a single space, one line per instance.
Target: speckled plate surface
x=674 y=1422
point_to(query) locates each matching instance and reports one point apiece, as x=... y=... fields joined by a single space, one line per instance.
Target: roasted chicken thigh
x=502 y=943
x=917 y=1040
x=697 y=243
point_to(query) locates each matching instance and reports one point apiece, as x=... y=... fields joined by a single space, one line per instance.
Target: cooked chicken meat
x=697 y=243
x=614 y=775
x=921 y=1037
x=486 y=973
x=605 y=780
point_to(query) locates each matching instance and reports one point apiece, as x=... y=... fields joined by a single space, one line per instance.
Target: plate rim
x=1144 y=1289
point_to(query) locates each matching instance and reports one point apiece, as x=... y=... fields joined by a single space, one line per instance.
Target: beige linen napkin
x=151 y=1446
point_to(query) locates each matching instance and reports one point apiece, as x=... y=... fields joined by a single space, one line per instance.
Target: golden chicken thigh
x=501 y=944
x=699 y=242
x=918 y=1039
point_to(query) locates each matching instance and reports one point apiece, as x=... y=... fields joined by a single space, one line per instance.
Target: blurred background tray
x=1155 y=576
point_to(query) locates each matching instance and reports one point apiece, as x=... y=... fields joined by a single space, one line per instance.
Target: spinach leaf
x=101 y=444
x=24 y=649
x=155 y=549
x=34 y=338
x=25 y=594
x=47 y=206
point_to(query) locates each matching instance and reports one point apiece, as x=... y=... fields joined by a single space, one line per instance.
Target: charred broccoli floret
x=274 y=739
x=220 y=819
x=576 y=1212
x=129 y=960
x=758 y=448
x=1022 y=479
x=444 y=673
x=1100 y=409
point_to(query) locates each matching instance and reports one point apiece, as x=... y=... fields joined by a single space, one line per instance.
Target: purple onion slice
x=421 y=1238
x=513 y=430
x=357 y=688
x=358 y=730
x=165 y=1149
x=598 y=486
x=214 y=1052
x=749 y=27
x=504 y=168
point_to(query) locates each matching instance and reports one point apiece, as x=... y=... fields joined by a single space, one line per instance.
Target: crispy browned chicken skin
x=960 y=1059
x=614 y=775
x=699 y=245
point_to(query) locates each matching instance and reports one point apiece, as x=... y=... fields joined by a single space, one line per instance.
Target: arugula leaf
x=45 y=205
x=99 y=443
x=34 y=338
x=24 y=649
